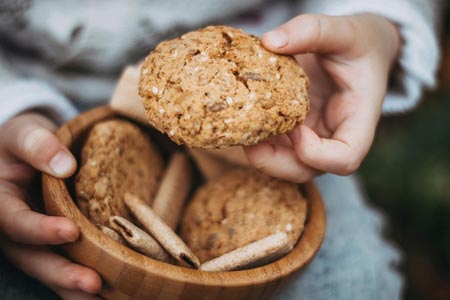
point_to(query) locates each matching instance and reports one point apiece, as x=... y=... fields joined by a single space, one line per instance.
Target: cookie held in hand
x=117 y=157
x=241 y=207
x=218 y=87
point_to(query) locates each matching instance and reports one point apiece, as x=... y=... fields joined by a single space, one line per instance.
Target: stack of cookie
x=236 y=220
x=213 y=88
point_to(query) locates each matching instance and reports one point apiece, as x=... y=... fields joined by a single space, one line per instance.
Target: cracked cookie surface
x=242 y=206
x=218 y=87
x=117 y=157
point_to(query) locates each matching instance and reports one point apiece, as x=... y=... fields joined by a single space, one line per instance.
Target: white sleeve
x=18 y=94
x=27 y=94
x=419 y=56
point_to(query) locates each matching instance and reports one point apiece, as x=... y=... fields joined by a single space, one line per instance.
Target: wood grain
x=129 y=275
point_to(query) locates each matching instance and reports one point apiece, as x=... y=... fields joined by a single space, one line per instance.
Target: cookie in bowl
x=241 y=207
x=117 y=157
x=128 y=274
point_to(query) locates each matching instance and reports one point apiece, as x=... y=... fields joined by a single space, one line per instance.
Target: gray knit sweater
x=61 y=56
x=55 y=51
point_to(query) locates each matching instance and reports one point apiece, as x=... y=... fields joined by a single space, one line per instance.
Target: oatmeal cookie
x=241 y=207
x=117 y=157
x=218 y=87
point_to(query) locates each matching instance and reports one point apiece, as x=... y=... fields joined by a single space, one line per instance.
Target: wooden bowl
x=127 y=274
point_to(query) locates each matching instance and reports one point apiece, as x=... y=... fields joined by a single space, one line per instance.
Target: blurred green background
x=407 y=175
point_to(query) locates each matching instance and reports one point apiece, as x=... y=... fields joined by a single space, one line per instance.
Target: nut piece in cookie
x=242 y=206
x=117 y=157
x=218 y=87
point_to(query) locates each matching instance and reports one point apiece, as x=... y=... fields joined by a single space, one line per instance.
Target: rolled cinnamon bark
x=111 y=233
x=254 y=254
x=173 y=190
x=161 y=232
x=138 y=239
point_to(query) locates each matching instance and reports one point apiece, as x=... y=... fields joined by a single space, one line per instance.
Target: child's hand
x=348 y=60
x=27 y=144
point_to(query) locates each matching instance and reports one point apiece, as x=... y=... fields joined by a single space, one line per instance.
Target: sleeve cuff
x=419 y=59
x=32 y=94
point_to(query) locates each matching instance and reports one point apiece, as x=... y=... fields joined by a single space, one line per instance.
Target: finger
x=30 y=139
x=316 y=121
x=75 y=295
x=13 y=170
x=52 y=269
x=342 y=154
x=281 y=140
x=278 y=161
x=312 y=34
x=19 y=223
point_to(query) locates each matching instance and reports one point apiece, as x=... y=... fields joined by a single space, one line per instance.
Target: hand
x=27 y=144
x=348 y=60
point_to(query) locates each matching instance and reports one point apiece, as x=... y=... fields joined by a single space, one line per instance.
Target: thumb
x=29 y=138
x=312 y=34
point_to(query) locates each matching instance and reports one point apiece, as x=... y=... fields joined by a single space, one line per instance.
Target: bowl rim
x=58 y=201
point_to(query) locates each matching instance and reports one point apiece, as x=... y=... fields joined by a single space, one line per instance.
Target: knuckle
x=259 y=163
x=9 y=189
x=317 y=28
x=30 y=137
x=351 y=166
x=314 y=24
x=305 y=153
x=257 y=160
x=352 y=27
x=310 y=18
x=11 y=225
x=20 y=226
x=67 y=267
x=263 y=166
x=34 y=142
x=69 y=275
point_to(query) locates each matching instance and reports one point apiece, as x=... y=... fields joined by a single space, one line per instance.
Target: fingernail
x=276 y=38
x=67 y=236
x=67 y=233
x=62 y=163
x=84 y=286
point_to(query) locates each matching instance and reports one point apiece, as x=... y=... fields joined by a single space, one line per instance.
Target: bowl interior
x=132 y=273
